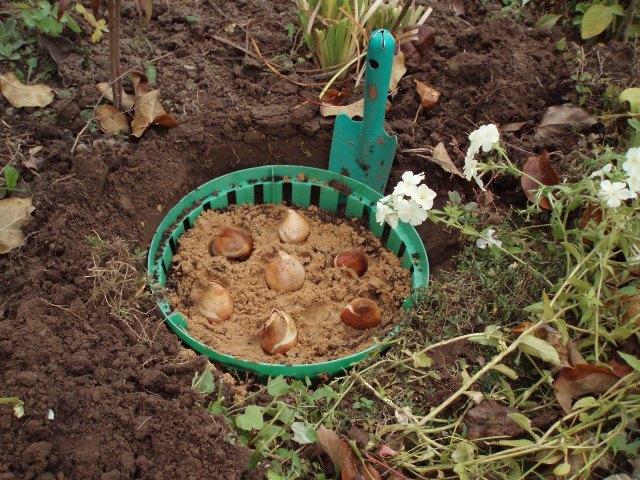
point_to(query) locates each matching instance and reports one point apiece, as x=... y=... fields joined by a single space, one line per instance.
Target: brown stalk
x=628 y=20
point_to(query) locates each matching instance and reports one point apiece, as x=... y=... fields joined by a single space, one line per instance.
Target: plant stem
x=628 y=20
x=114 y=52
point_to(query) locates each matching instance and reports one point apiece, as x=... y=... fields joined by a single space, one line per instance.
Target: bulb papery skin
x=284 y=273
x=294 y=228
x=361 y=313
x=354 y=260
x=212 y=300
x=279 y=333
x=231 y=242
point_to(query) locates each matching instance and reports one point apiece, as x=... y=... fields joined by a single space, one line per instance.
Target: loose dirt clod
x=315 y=307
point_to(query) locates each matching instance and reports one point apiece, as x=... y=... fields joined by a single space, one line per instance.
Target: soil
x=315 y=308
x=124 y=407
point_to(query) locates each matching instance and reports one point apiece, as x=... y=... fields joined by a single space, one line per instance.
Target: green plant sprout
x=44 y=17
x=336 y=31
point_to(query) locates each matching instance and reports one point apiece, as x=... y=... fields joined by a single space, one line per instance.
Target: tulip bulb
x=352 y=259
x=232 y=242
x=279 y=333
x=361 y=313
x=284 y=273
x=294 y=228
x=212 y=301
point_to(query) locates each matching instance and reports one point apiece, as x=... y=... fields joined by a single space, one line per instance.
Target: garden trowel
x=361 y=149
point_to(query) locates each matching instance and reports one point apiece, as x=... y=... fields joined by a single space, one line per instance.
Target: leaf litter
x=15 y=213
x=20 y=95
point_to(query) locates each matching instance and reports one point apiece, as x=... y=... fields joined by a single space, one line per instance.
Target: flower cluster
x=614 y=193
x=410 y=202
x=484 y=138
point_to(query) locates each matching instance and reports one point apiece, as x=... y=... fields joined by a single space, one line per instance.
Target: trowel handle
x=376 y=81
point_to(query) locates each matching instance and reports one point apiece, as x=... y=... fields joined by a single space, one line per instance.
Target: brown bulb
x=284 y=273
x=279 y=333
x=294 y=228
x=212 y=301
x=361 y=313
x=232 y=242
x=353 y=260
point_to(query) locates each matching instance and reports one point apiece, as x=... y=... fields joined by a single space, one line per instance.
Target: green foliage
x=596 y=17
x=336 y=31
x=204 y=383
x=11 y=176
x=10 y=40
x=43 y=17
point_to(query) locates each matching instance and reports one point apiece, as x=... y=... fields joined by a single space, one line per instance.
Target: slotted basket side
x=295 y=185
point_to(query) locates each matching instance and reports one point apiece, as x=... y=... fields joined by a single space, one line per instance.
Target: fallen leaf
x=127 y=100
x=561 y=119
x=441 y=157
x=513 y=127
x=147 y=111
x=145 y=7
x=397 y=70
x=548 y=20
x=63 y=5
x=59 y=48
x=14 y=214
x=423 y=38
x=580 y=379
x=631 y=95
x=354 y=109
x=20 y=95
x=334 y=96
x=428 y=96
x=111 y=120
x=340 y=453
x=538 y=170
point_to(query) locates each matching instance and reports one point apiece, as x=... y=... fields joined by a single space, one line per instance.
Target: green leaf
x=251 y=419
x=303 y=433
x=152 y=74
x=539 y=348
x=586 y=402
x=515 y=443
x=509 y=372
x=204 y=383
x=631 y=95
x=285 y=413
x=548 y=20
x=521 y=420
x=633 y=362
x=278 y=386
x=421 y=360
x=562 y=469
x=595 y=21
x=11 y=176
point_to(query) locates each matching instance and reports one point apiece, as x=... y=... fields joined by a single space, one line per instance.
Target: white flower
x=614 y=193
x=50 y=415
x=632 y=163
x=487 y=239
x=600 y=173
x=634 y=258
x=384 y=213
x=410 y=212
x=471 y=168
x=411 y=178
x=485 y=137
x=633 y=180
x=404 y=188
x=424 y=197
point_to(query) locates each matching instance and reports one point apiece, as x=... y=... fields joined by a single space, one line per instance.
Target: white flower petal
x=411 y=178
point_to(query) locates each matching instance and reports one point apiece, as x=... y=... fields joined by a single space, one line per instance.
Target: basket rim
x=273 y=174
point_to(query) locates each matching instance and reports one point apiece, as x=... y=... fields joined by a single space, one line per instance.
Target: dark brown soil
x=121 y=409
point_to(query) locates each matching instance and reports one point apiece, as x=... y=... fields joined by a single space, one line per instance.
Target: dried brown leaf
x=513 y=127
x=397 y=70
x=354 y=109
x=538 y=170
x=489 y=419
x=20 y=95
x=581 y=379
x=334 y=97
x=561 y=119
x=428 y=96
x=14 y=214
x=339 y=452
x=127 y=100
x=111 y=120
x=441 y=157
x=145 y=8
x=147 y=111
x=63 y=5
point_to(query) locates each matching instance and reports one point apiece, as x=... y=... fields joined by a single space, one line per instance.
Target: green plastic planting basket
x=300 y=186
